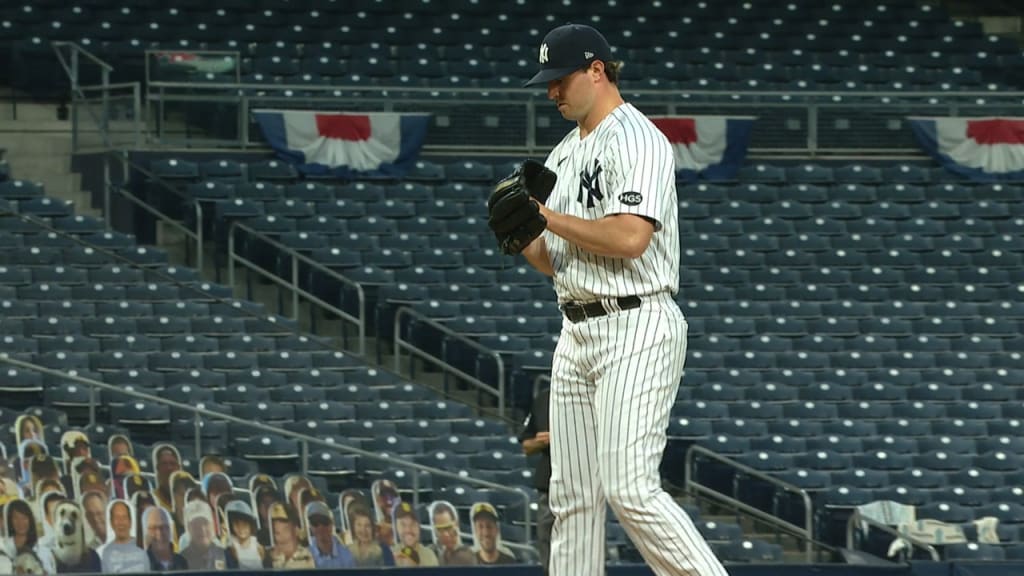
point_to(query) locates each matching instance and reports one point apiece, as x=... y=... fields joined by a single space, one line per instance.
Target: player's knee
x=627 y=501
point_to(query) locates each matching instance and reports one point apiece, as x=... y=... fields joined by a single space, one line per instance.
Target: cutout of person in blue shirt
x=324 y=544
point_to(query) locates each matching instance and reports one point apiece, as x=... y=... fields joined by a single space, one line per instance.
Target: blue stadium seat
x=271 y=170
x=470 y=171
x=749 y=551
x=974 y=551
x=823 y=459
x=762 y=173
x=810 y=174
x=20 y=189
x=946 y=512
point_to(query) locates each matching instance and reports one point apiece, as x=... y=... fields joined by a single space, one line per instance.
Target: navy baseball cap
x=567 y=49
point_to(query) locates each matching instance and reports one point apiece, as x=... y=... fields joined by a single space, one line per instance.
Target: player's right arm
x=536 y=253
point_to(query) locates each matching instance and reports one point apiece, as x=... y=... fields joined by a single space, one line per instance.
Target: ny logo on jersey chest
x=590 y=183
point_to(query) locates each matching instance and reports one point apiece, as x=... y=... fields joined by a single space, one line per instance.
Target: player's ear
x=596 y=70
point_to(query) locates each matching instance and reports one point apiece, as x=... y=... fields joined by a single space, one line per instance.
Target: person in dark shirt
x=536 y=439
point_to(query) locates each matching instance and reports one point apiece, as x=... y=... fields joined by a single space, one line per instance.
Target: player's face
x=487 y=532
x=573 y=95
x=121 y=522
x=409 y=530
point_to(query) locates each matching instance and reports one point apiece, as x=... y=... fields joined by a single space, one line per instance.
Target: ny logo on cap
x=543 y=53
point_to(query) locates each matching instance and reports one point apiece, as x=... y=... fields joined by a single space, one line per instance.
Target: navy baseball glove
x=513 y=212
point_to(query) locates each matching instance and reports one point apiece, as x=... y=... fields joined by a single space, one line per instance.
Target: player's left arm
x=637 y=173
x=615 y=235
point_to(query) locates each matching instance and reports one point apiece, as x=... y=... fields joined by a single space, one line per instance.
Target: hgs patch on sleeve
x=631 y=198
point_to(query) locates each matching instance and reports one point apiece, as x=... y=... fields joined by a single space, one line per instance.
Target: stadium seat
x=749 y=551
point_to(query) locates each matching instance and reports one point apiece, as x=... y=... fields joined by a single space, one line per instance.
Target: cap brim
x=549 y=74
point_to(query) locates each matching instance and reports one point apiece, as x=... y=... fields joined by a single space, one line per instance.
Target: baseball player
x=601 y=217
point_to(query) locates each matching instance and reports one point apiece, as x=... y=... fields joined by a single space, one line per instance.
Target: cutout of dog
x=69 y=549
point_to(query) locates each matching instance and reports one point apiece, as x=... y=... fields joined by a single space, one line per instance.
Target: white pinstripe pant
x=614 y=380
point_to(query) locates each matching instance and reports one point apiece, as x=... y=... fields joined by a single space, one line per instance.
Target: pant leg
x=545 y=521
x=575 y=497
x=637 y=385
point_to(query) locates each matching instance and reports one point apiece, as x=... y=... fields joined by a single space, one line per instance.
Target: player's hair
x=612 y=68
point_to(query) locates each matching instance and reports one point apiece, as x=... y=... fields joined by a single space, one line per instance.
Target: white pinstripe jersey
x=625 y=166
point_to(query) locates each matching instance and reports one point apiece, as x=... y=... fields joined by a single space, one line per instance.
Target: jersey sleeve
x=642 y=175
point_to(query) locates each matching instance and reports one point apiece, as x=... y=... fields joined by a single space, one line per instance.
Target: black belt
x=576 y=312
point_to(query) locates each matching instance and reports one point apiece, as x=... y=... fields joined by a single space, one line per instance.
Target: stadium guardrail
x=407 y=345
x=111 y=103
x=805 y=532
x=292 y=284
x=119 y=186
x=503 y=120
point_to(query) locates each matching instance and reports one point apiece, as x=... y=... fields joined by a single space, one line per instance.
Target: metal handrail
x=830 y=94
x=126 y=163
x=111 y=86
x=297 y=257
x=401 y=344
x=76 y=90
x=305 y=439
x=808 y=104
x=857 y=518
x=78 y=48
x=197 y=236
x=806 y=531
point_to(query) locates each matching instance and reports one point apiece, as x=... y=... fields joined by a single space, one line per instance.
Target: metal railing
x=75 y=52
x=126 y=166
x=304 y=440
x=403 y=345
x=805 y=532
x=118 y=123
x=292 y=284
x=857 y=520
x=514 y=120
x=127 y=96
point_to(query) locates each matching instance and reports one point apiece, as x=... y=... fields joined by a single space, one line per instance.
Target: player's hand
x=513 y=208
x=543 y=437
